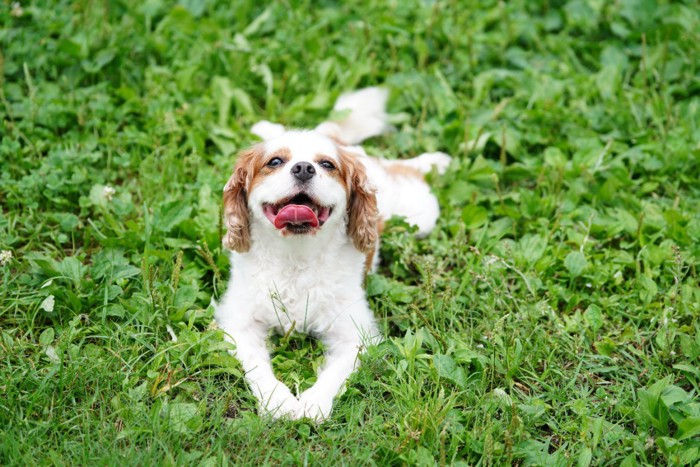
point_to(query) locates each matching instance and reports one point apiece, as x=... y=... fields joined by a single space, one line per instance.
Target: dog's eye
x=327 y=165
x=275 y=162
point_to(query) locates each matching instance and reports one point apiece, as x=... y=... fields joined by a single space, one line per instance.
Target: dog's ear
x=236 y=213
x=363 y=217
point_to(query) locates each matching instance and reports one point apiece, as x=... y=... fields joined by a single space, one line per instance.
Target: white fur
x=407 y=197
x=313 y=283
x=366 y=116
x=267 y=130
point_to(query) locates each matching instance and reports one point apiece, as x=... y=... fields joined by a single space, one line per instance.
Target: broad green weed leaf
x=667 y=444
x=184 y=417
x=376 y=285
x=265 y=18
x=46 y=336
x=474 y=216
x=448 y=369
x=688 y=428
x=648 y=288
x=221 y=87
x=673 y=394
x=170 y=214
x=101 y=59
x=694 y=370
x=585 y=457
x=46 y=265
x=106 y=261
x=185 y=296
x=461 y=192
x=576 y=263
x=195 y=7
x=594 y=317
x=67 y=221
x=554 y=157
x=532 y=247
x=243 y=102
x=115 y=310
x=125 y=272
x=72 y=269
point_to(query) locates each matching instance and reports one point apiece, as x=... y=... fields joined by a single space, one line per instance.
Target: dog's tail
x=360 y=115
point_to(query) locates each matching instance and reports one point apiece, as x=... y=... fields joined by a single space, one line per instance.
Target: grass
x=552 y=318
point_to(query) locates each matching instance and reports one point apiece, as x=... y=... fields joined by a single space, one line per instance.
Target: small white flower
x=173 y=336
x=589 y=285
x=108 y=192
x=479 y=346
x=17 y=10
x=52 y=354
x=502 y=395
x=48 y=304
x=5 y=257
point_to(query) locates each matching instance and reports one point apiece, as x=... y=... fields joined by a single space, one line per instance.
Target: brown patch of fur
x=363 y=216
x=336 y=140
x=397 y=169
x=369 y=257
x=261 y=170
x=338 y=173
x=248 y=165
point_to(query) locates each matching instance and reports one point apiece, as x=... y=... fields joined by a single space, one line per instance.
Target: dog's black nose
x=303 y=171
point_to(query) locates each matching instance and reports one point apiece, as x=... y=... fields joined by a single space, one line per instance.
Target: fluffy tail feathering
x=364 y=117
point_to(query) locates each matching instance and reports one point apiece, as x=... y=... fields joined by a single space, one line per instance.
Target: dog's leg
x=273 y=396
x=343 y=343
x=317 y=401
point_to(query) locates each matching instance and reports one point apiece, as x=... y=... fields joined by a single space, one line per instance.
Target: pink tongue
x=295 y=214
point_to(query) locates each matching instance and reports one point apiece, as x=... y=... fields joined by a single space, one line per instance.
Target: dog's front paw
x=315 y=405
x=280 y=403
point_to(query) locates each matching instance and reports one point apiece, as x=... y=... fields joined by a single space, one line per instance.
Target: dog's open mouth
x=298 y=214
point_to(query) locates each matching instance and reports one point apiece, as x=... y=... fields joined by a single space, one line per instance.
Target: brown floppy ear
x=363 y=217
x=237 y=236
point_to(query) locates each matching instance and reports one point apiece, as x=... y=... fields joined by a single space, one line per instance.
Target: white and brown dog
x=303 y=211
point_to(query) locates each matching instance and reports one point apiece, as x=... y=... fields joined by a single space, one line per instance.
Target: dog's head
x=298 y=184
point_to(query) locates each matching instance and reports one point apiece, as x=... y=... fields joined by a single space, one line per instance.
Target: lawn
x=552 y=318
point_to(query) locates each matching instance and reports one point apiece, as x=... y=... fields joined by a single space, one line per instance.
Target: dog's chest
x=304 y=297
x=296 y=302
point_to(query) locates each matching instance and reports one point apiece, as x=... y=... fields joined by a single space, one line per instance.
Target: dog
x=303 y=212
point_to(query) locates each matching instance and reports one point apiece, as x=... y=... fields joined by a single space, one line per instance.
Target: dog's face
x=298 y=184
